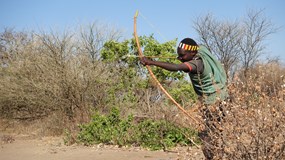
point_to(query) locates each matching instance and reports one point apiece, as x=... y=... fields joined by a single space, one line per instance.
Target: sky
x=166 y=19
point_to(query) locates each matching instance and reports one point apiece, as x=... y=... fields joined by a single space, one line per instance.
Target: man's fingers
x=142 y=60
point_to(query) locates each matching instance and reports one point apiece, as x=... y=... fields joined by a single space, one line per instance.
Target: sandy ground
x=52 y=148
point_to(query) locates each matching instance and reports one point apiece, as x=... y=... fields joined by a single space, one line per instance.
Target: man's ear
x=194 y=52
x=190 y=52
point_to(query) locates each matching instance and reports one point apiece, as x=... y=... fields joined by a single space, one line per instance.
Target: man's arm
x=165 y=65
x=194 y=66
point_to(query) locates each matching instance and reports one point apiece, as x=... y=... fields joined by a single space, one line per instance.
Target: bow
x=153 y=76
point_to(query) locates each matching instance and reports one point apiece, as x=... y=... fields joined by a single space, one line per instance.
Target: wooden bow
x=153 y=76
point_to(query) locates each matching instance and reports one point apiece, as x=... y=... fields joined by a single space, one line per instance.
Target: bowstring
x=152 y=26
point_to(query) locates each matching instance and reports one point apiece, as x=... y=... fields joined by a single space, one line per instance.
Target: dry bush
x=253 y=125
x=50 y=78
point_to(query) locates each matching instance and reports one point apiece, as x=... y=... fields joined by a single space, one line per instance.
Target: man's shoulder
x=203 y=49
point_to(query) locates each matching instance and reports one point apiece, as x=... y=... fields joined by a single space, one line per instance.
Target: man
x=209 y=82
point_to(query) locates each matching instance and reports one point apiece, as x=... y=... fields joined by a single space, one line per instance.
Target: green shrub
x=108 y=129
x=162 y=134
x=155 y=135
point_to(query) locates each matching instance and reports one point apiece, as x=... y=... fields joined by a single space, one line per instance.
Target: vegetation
x=252 y=123
x=112 y=129
x=55 y=79
x=61 y=81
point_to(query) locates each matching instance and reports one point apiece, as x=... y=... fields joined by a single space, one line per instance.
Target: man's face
x=184 y=55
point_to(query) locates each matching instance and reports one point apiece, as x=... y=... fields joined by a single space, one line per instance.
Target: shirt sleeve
x=195 y=66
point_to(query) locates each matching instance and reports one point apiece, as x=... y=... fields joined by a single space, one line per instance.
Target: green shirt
x=211 y=83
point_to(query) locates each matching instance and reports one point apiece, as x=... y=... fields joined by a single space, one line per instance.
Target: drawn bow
x=153 y=76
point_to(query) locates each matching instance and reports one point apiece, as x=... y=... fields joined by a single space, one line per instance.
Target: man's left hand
x=145 y=61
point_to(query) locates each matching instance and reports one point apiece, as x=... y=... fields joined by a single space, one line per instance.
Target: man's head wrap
x=188 y=44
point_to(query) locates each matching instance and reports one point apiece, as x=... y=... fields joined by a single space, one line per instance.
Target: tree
x=221 y=37
x=94 y=36
x=240 y=42
x=12 y=44
x=255 y=29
